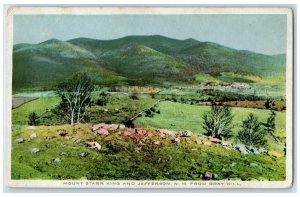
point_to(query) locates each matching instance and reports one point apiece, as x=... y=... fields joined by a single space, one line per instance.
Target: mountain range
x=131 y=59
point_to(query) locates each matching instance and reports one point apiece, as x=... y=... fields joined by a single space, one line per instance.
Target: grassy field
x=20 y=114
x=118 y=158
x=180 y=117
x=68 y=158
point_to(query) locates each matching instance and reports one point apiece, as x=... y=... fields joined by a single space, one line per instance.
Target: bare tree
x=75 y=94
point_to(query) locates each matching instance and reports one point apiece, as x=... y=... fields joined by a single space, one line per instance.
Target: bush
x=217 y=122
x=33 y=119
x=270 y=125
x=251 y=133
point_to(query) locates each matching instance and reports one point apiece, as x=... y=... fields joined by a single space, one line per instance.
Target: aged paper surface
x=150 y=97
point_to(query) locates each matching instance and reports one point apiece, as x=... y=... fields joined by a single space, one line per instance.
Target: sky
x=258 y=33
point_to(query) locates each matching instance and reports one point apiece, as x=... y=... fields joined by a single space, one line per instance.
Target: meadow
x=122 y=158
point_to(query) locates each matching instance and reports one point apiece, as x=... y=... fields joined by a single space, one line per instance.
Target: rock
x=121 y=126
x=20 y=140
x=33 y=135
x=214 y=140
x=129 y=132
x=176 y=140
x=198 y=141
x=103 y=132
x=140 y=131
x=31 y=127
x=97 y=126
x=208 y=175
x=253 y=150
x=242 y=148
x=157 y=143
x=135 y=138
x=62 y=153
x=150 y=134
x=186 y=133
x=57 y=160
x=35 y=150
x=83 y=154
x=226 y=143
x=93 y=145
x=111 y=127
x=166 y=133
x=97 y=145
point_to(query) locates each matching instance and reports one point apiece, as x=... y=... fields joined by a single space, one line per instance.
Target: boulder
x=214 y=140
x=97 y=145
x=122 y=126
x=103 y=132
x=33 y=135
x=111 y=127
x=57 y=160
x=166 y=133
x=241 y=148
x=35 y=150
x=150 y=135
x=129 y=132
x=140 y=131
x=208 y=175
x=97 y=126
x=226 y=143
x=20 y=140
x=93 y=145
x=186 y=133
x=158 y=143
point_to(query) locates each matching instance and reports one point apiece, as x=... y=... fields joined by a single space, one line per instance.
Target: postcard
x=149 y=97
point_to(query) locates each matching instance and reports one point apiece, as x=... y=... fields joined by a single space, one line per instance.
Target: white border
x=145 y=11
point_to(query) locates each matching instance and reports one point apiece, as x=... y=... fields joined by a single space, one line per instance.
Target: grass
x=180 y=117
x=20 y=114
x=117 y=159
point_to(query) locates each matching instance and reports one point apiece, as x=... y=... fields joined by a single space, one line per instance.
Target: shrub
x=33 y=119
x=217 y=122
x=270 y=125
x=251 y=133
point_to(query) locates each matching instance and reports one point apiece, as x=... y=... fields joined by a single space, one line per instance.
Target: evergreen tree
x=217 y=122
x=251 y=133
x=270 y=125
x=33 y=119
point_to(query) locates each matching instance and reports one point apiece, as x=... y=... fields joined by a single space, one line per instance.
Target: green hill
x=43 y=65
x=147 y=58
